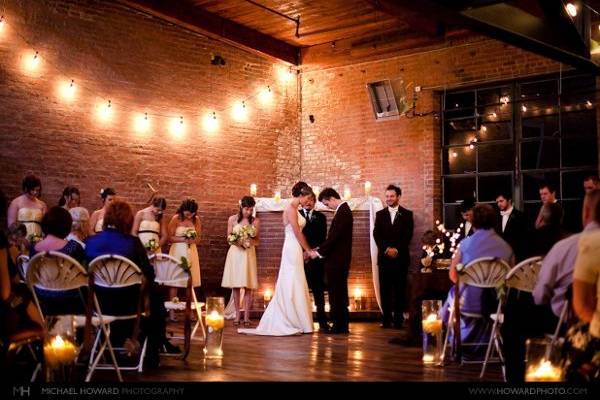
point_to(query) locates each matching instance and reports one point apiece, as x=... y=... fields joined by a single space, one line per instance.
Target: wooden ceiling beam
x=198 y=19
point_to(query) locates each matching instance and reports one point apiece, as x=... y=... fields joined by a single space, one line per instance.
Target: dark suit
x=337 y=251
x=515 y=232
x=393 y=271
x=315 y=232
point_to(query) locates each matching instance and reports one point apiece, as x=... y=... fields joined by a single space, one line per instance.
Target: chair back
x=55 y=280
x=484 y=272
x=168 y=271
x=524 y=275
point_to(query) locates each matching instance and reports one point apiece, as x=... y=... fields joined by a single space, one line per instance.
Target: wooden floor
x=363 y=355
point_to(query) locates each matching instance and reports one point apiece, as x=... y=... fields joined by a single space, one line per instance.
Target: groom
x=337 y=252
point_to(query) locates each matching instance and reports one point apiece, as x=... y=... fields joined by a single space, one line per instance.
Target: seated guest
x=56 y=225
x=484 y=242
x=80 y=227
x=548 y=230
x=511 y=225
x=115 y=238
x=591 y=182
x=584 y=355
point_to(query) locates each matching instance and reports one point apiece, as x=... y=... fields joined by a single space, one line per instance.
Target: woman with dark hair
x=56 y=226
x=107 y=195
x=150 y=226
x=240 y=264
x=290 y=311
x=184 y=234
x=70 y=198
x=28 y=209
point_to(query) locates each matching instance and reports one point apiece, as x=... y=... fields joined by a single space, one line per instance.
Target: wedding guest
x=240 y=264
x=548 y=196
x=393 y=232
x=150 y=226
x=184 y=235
x=116 y=238
x=18 y=245
x=315 y=232
x=466 y=212
x=511 y=225
x=484 y=242
x=28 y=209
x=56 y=225
x=107 y=195
x=81 y=225
x=548 y=230
x=70 y=198
x=591 y=182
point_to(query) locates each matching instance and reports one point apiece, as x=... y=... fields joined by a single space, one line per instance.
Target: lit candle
x=367 y=188
x=59 y=351
x=277 y=195
x=543 y=372
x=357 y=294
x=268 y=295
x=215 y=320
x=432 y=324
x=347 y=193
x=428 y=358
x=253 y=189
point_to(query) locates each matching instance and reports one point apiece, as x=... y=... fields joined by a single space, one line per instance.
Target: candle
x=367 y=188
x=543 y=372
x=215 y=320
x=59 y=351
x=432 y=324
x=316 y=191
x=253 y=189
x=268 y=295
x=347 y=193
x=428 y=358
x=277 y=195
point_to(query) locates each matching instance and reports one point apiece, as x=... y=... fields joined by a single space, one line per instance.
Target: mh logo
x=21 y=391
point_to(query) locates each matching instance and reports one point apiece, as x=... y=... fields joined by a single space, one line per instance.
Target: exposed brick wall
x=144 y=64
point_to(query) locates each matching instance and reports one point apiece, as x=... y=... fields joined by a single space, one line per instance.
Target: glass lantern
x=215 y=322
x=432 y=331
x=60 y=349
x=543 y=361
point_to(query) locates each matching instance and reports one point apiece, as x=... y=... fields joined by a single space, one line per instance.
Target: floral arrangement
x=242 y=237
x=185 y=264
x=190 y=234
x=151 y=245
x=34 y=238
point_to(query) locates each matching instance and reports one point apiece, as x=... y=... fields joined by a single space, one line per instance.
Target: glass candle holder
x=543 y=361
x=432 y=331
x=61 y=350
x=215 y=322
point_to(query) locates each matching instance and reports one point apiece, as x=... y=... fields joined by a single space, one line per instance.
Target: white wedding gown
x=290 y=311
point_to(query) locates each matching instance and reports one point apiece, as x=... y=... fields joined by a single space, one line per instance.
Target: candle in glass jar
x=432 y=324
x=428 y=358
x=59 y=351
x=367 y=188
x=277 y=196
x=268 y=295
x=357 y=294
x=215 y=320
x=253 y=189
x=545 y=371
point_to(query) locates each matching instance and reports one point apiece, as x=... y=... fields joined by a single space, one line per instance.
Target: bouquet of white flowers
x=190 y=234
x=242 y=237
x=151 y=245
x=34 y=238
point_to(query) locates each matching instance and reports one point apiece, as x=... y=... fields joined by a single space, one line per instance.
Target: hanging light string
x=109 y=101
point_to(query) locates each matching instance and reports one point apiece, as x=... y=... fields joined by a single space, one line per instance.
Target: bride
x=290 y=311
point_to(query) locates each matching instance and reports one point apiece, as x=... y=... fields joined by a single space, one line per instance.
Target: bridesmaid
x=70 y=198
x=148 y=225
x=240 y=265
x=28 y=209
x=97 y=218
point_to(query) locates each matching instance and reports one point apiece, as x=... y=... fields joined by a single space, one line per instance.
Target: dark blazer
x=515 y=232
x=337 y=248
x=315 y=229
x=397 y=234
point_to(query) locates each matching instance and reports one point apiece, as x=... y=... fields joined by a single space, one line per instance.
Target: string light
x=266 y=96
x=210 y=123
x=105 y=112
x=141 y=123
x=454 y=154
x=285 y=74
x=483 y=128
x=524 y=108
x=2 y=24
x=239 y=112
x=504 y=100
x=494 y=115
x=177 y=127
x=588 y=103
x=571 y=9
x=31 y=62
x=67 y=90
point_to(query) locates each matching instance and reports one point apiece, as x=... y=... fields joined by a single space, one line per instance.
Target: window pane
x=581 y=123
x=496 y=157
x=494 y=104
x=492 y=186
x=538 y=97
x=458 y=189
x=540 y=154
x=495 y=130
x=459 y=160
x=460 y=105
x=460 y=131
x=573 y=183
x=532 y=180
x=541 y=126
x=580 y=152
x=578 y=90
x=572 y=215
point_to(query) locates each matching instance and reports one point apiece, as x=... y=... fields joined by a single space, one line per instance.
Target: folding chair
x=169 y=272
x=55 y=279
x=109 y=275
x=522 y=277
x=485 y=273
x=565 y=314
x=22 y=263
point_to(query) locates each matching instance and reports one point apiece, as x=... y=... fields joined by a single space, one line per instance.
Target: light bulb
x=504 y=100
x=454 y=154
x=571 y=9
x=239 y=112
x=524 y=108
x=141 y=123
x=177 y=127
x=285 y=74
x=588 y=103
x=484 y=128
x=31 y=62
x=67 y=90
x=2 y=24
x=266 y=96
x=494 y=115
x=210 y=122
x=105 y=112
